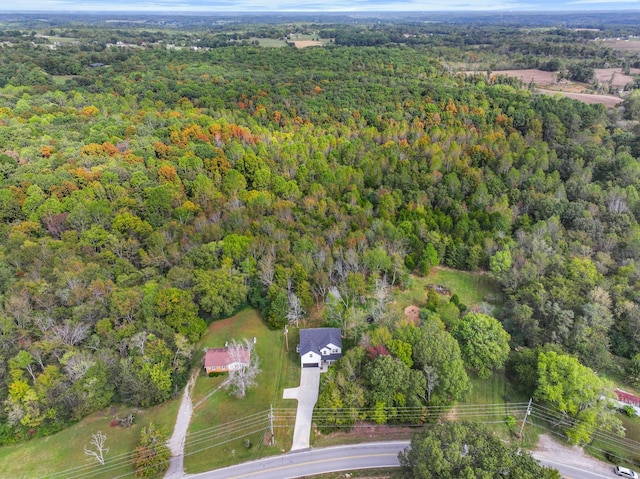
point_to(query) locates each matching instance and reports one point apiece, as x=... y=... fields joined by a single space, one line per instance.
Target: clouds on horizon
x=213 y=6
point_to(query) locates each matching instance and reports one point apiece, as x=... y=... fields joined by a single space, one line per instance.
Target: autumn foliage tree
x=151 y=456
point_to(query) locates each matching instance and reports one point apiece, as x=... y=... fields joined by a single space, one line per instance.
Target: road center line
x=319 y=461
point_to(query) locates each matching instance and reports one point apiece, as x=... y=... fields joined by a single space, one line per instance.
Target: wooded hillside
x=162 y=189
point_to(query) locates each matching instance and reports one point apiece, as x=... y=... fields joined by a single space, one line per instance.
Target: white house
x=319 y=347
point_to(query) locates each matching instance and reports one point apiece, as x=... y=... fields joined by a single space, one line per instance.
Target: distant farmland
x=548 y=83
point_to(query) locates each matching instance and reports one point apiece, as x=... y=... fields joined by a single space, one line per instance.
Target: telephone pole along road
x=353 y=457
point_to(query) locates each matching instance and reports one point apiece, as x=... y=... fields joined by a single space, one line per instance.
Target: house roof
x=317 y=338
x=221 y=357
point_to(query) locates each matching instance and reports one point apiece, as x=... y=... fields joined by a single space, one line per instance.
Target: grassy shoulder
x=623 y=450
x=63 y=452
x=225 y=430
x=362 y=474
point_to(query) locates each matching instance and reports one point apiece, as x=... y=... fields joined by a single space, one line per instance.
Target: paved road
x=345 y=458
x=314 y=461
x=573 y=472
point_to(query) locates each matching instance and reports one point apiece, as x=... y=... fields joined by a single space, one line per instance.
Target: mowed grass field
x=472 y=288
x=221 y=423
x=61 y=456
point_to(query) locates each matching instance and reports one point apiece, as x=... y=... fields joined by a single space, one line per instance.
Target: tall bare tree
x=246 y=367
x=295 y=312
x=266 y=270
x=382 y=296
x=97 y=441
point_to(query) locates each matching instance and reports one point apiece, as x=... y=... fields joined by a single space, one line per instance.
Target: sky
x=216 y=6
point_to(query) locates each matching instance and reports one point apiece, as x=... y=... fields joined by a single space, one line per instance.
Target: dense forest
x=147 y=191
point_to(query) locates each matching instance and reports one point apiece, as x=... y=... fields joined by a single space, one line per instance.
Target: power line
x=543 y=417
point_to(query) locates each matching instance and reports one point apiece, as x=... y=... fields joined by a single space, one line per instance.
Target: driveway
x=176 y=443
x=307 y=395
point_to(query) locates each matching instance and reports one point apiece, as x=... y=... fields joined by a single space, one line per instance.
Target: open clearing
x=473 y=289
x=589 y=98
x=539 y=77
x=547 y=83
x=54 y=456
x=614 y=76
x=307 y=43
x=605 y=76
x=632 y=45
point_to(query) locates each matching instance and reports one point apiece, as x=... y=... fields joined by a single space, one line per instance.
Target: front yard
x=221 y=424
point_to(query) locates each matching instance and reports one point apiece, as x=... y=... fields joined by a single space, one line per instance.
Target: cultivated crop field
x=548 y=83
x=614 y=76
x=631 y=45
x=539 y=77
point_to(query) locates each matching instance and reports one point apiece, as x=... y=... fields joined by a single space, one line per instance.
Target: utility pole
x=524 y=420
x=271 y=425
x=286 y=336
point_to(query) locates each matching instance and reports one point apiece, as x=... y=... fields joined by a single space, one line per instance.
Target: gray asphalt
x=345 y=458
x=313 y=461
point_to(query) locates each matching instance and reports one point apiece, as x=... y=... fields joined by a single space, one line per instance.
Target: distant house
x=219 y=360
x=319 y=347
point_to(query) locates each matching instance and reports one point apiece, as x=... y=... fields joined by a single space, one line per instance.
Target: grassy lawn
x=62 y=79
x=62 y=452
x=473 y=289
x=221 y=424
x=367 y=473
x=487 y=402
x=269 y=42
x=62 y=40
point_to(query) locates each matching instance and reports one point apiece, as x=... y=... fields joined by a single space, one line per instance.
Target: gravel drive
x=554 y=450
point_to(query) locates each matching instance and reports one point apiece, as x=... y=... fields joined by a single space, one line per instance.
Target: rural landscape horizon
x=230 y=230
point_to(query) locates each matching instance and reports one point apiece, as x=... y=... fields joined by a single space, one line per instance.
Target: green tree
x=483 y=341
x=437 y=355
x=456 y=450
x=277 y=307
x=220 y=292
x=392 y=384
x=577 y=391
x=429 y=259
x=178 y=310
x=567 y=384
x=633 y=369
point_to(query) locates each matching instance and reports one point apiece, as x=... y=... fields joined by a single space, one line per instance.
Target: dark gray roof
x=317 y=338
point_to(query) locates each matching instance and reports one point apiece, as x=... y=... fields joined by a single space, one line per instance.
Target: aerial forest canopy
x=158 y=190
